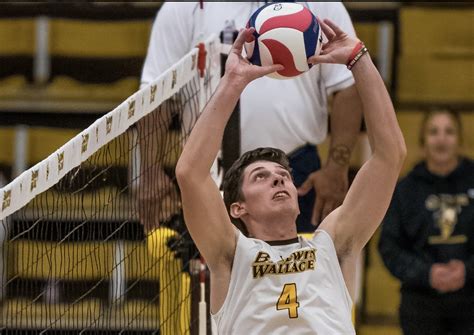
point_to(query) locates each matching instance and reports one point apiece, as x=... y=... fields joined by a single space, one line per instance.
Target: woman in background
x=427 y=238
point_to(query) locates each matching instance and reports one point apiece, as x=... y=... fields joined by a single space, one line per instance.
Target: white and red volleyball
x=285 y=33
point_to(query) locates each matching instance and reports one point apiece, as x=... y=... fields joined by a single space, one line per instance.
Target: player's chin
x=286 y=206
x=286 y=201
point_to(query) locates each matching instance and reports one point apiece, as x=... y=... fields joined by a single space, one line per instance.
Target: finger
x=320 y=59
x=330 y=34
x=327 y=209
x=240 y=40
x=324 y=48
x=335 y=28
x=264 y=70
x=305 y=187
x=250 y=36
x=338 y=202
x=316 y=217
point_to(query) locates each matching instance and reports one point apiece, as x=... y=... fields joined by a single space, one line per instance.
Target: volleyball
x=286 y=34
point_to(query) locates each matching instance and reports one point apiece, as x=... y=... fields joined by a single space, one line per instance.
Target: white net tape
x=48 y=172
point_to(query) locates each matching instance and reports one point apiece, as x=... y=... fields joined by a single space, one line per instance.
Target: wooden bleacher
x=437 y=56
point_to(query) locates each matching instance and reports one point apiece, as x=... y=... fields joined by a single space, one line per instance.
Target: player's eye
x=260 y=176
x=285 y=175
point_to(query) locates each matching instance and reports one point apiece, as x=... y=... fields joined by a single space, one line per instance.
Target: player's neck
x=273 y=230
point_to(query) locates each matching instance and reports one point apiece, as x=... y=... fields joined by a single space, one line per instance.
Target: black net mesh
x=105 y=250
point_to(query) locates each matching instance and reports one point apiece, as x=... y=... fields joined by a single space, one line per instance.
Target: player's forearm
x=205 y=140
x=382 y=126
x=346 y=117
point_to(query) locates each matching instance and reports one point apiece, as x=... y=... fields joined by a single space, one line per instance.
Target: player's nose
x=278 y=180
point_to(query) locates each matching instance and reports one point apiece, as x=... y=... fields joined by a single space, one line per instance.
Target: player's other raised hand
x=339 y=45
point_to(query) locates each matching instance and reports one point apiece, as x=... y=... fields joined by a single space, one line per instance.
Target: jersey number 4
x=288 y=300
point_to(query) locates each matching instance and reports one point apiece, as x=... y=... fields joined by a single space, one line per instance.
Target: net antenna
x=82 y=250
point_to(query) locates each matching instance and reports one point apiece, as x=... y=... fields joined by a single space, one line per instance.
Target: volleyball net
x=92 y=238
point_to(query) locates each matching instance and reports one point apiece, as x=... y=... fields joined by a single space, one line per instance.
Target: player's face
x=268 y=190
x=441 y=139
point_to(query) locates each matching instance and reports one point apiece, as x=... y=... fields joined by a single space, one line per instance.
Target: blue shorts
x=305 y=161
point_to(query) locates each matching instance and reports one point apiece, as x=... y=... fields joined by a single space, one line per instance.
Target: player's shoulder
x=323 y=236
x=248 y=243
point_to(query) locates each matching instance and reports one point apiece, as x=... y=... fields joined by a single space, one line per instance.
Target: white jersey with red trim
x=288 y=289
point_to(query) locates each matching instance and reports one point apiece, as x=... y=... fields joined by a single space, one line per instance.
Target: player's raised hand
x=339 y=45
x=239 y=68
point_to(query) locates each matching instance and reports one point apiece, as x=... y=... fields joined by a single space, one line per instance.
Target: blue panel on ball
x=255 y=59
x=253 y=18
x=310 y=37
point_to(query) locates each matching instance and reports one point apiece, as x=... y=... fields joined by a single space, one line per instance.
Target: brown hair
x=233 y=179
x=454 y=115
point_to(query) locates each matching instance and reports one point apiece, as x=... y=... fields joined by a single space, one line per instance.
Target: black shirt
x=430 y=220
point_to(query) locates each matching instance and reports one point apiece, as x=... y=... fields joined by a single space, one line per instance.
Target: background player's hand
x=157 y=198
x=331 y=185
x=338 y=47
x=238 y=69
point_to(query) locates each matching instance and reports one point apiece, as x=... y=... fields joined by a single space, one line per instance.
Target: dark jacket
x=430 y=220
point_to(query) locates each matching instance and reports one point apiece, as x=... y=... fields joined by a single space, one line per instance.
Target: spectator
x=427 y=239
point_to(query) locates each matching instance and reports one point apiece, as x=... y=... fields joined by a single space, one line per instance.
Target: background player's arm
x=204 y=211
x=332 y=181
x=346 y=110
x=346 y=119
x=366 y=203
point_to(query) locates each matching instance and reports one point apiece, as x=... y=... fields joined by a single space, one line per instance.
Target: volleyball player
x=271 y=281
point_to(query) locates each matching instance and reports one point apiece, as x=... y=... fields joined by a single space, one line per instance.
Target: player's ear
x=237 y=209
